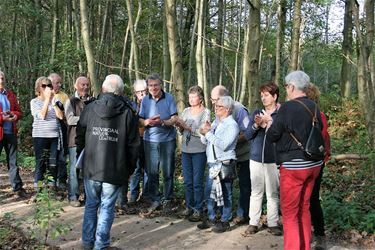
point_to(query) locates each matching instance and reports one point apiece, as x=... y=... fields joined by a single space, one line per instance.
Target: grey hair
x=2 y=73
x=299 y=79
x=140 y=82
x=113 y=84
x=154 y=76
x=227 y=102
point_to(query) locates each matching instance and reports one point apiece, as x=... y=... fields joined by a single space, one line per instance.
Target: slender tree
x=347 y=51
x=295 y=35
x=281 y=20
x=175 y=53
x=88 y=49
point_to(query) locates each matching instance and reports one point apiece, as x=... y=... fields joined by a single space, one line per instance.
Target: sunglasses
x=46 y=85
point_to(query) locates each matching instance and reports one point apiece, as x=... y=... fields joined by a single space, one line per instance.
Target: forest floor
x=157 y=231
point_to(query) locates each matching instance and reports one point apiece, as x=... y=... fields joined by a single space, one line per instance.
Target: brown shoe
x=251 y=230
x=21 y=193
x=240 y=221
x=275 y=231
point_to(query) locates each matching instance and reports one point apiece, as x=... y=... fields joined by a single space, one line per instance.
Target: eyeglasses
x=46 y=85
x=214 y=100
x=219 y=106
x=144 y=91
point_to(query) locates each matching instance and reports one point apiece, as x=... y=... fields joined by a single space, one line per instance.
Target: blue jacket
x=261 y=150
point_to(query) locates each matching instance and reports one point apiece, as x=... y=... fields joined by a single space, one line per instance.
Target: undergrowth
x=348 y=188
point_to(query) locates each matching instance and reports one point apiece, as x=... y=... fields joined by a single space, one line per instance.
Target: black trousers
x=316 y=211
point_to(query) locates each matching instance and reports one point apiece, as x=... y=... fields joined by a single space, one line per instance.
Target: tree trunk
x=175 y=54
x=295 y=36
x=281 y=20
x=55 y=31
x=77 y=31
x=198 y=51
x=254 y=47
x=192 y=42
x=216 y=59
x=88 y=50
x=134 y=50
x=365 y=51
x=239 y=22
x=347 y=51
x=245 y=62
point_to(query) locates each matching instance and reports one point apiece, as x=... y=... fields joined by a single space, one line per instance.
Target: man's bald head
x=218 y=91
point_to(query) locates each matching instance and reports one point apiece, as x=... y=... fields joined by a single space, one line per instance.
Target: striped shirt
x=45 y=128
x=299 y=164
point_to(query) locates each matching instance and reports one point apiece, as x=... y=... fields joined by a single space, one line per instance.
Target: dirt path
x=135 y=232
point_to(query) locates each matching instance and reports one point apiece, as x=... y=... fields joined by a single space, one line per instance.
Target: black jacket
x=292 y=117
x=108 y=131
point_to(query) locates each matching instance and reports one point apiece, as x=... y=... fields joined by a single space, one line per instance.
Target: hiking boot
x=167 y=206
x=275 y=231
x=21 y=193
x=75 y=203
x=320 y=243
x=195 y=217
x=154 y=205
x=240 y=221
x=251 y=230
x=206 y=224
x=221 y=227
x=187 y=212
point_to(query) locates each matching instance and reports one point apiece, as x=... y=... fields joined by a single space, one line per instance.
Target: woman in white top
x=46 y=129
x=193 y=152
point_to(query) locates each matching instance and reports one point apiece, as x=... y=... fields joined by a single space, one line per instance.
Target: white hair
x=113 y=84
x=299 y=79
x=227 y=101
x=140 y=82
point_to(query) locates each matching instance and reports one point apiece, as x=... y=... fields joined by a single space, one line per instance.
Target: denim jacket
x=223 y=135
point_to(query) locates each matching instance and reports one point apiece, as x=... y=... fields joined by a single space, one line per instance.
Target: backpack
x=314 y=148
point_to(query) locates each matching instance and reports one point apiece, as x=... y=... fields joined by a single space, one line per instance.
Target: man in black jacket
x=108 y=132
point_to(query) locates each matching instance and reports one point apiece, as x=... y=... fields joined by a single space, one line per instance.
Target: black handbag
x=314 y=148
x=228 y=168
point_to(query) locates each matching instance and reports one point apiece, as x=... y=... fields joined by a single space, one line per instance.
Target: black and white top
x=45 y=128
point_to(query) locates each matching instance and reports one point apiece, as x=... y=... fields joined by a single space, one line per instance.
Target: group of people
x=120 y=140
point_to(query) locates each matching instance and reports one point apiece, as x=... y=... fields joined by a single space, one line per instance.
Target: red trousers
x=295 y=191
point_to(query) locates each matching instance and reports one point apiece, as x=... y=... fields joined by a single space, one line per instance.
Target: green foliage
x=348 y=188
x=46 y=211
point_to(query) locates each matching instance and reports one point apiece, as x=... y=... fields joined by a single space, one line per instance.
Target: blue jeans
x=96 y=227
x=135 y=178
x=122 y=198
x=245 y=189
x=193 y=165
x=160 y=154
x=73 y=175
x=9 y=143
x=45 y=151
x=226 y=210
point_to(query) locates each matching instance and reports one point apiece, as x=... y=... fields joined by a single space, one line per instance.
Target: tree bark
x=254 y=50
x=88 y=49
x=281 y=20
x=347 y=51
x=364 y=78
x=192 y=43
x=55 y=30
x=295 y=36
x=77 y=31
x=175 y=53
x=134 y=48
